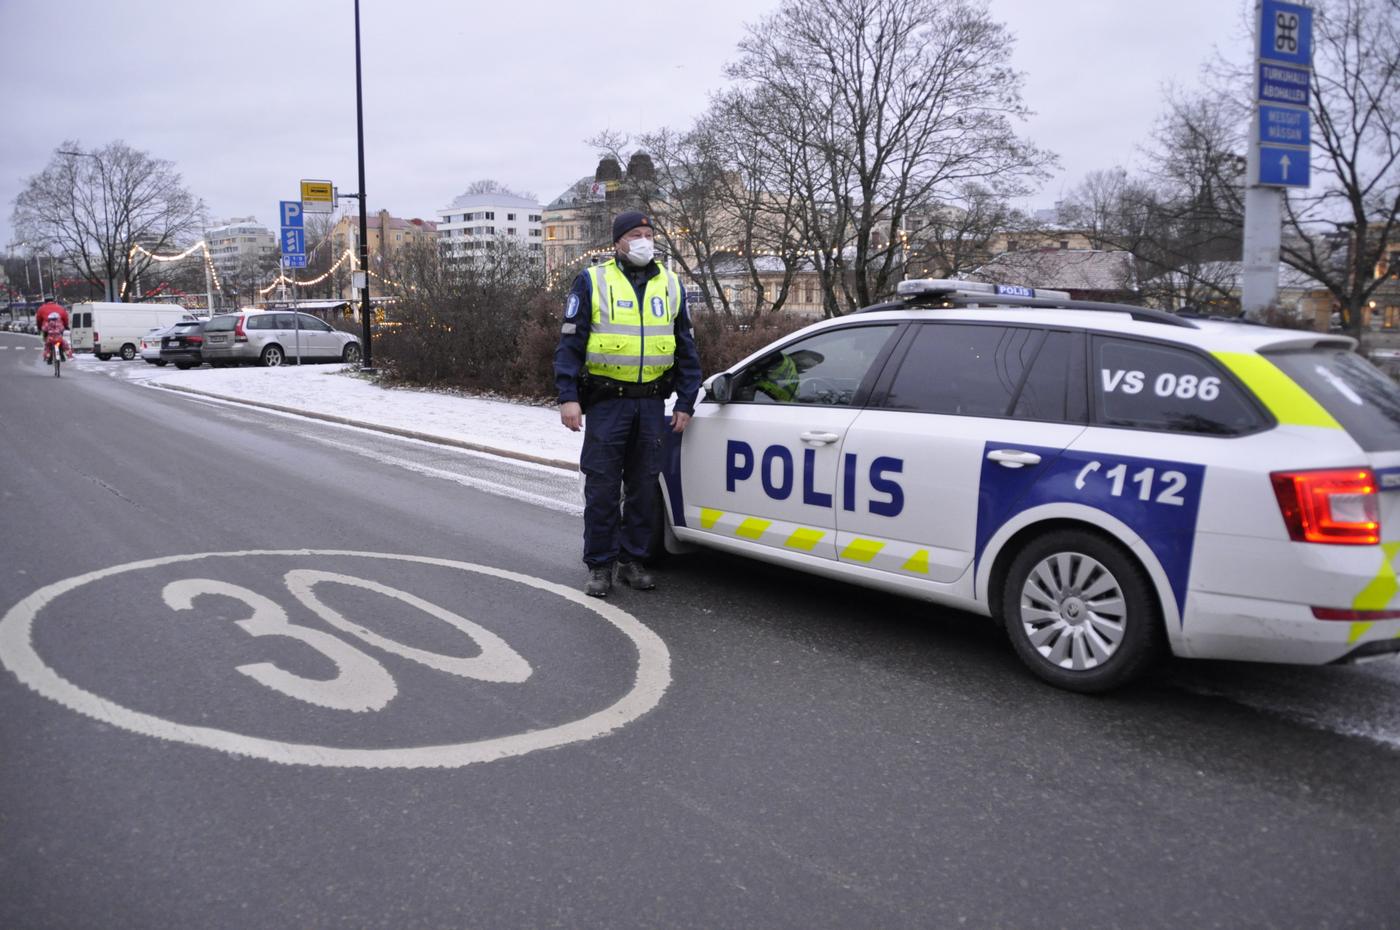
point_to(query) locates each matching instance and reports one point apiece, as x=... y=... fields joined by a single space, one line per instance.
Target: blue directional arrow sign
x=293 y=242
x=1281 y=167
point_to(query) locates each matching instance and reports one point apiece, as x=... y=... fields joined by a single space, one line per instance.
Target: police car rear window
x=1147 y=385
x=1358 y=396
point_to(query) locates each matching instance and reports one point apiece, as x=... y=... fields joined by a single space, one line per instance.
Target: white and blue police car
x=1108 y=482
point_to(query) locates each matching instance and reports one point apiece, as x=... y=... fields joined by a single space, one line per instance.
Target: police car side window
x=1152 y=386
x=981 y=370
x=826 y=369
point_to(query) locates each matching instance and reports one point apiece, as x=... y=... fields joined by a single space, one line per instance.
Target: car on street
x=273 y=337
x=150 y=346
x=182 y=344
x=1110 y=483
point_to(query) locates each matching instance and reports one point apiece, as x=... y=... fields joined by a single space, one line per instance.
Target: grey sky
x=246 y=97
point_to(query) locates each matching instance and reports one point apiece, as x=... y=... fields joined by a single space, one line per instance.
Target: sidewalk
x=335 y=394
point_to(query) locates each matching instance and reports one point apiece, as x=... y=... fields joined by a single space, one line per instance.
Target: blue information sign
x=293 y=241
x=1282 y=84
x=294 y=261
x=1285 y=33
x=1280 y=167
x=291 y=214
x=1283 y=126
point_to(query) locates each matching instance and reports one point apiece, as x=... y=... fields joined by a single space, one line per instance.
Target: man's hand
x=571 y=415
x=678 y=422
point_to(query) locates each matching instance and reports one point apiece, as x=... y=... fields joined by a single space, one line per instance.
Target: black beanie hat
x=624 y=223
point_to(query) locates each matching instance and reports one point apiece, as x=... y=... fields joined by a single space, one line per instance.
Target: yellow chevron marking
x=804 y=539
x=1377 y=594
x=918 y=562
x=708 y=518
x=753 y=528
x=862 y=550
x=1286 y=400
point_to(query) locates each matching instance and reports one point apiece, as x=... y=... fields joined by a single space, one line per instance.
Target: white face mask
x=640 y=251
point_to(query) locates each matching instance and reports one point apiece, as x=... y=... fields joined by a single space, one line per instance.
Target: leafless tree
x=488 y=186
x=952 y=237
x=93 y=207
x=880 y=106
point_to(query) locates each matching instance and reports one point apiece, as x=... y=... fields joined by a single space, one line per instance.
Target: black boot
x=635 y=575
x=600 y=581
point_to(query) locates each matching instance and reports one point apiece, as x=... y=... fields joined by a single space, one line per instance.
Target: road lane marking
x=652 y=678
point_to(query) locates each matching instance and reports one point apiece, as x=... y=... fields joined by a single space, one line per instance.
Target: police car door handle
x=1013 y=458
x=819 y=439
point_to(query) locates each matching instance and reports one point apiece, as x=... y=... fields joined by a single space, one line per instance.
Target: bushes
x=492 y=326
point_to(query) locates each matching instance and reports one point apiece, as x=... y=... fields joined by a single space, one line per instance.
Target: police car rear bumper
x=1224 y=626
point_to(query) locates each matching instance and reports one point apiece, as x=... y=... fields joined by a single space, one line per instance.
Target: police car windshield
x=1361 y=398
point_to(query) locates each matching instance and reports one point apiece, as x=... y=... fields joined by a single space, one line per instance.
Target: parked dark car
x=183 y=345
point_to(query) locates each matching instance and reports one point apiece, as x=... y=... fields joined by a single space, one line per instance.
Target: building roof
x=1065 y=269
x=573 y=196
x=490 y=200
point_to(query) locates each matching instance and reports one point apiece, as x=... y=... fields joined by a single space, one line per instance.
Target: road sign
x=1282 y=84
x=293 y=242
x=317 y=196
x=291 y=214
x=1281 y=167
x=294 y=261
x=1283 y=126
x=1285 y=33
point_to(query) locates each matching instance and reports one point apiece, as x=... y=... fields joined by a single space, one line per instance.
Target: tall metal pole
x=367 y=362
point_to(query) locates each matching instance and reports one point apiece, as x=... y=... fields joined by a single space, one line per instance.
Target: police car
x=1108 y=482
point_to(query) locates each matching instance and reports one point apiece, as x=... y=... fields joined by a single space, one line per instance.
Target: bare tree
x=954 y=236
x=488 y=186
x=881 y=105
x=95 y=206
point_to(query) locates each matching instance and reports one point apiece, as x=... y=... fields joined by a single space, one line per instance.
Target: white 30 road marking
x=497 y=662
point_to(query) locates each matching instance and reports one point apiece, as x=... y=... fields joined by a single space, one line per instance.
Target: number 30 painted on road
x=361 y=682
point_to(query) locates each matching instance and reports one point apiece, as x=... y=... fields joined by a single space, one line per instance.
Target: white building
x=474 y=220
x=239 y=239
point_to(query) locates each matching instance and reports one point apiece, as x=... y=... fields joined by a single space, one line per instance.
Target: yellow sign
x=317 y=191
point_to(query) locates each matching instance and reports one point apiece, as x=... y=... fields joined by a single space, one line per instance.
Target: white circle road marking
x=653 y=677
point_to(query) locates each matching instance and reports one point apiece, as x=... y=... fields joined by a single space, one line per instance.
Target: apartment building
x=474 y=221
x=242 y=241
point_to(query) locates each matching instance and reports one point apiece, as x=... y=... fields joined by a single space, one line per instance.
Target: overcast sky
x=247 y=97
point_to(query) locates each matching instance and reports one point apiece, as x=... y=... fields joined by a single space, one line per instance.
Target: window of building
x=510 y=216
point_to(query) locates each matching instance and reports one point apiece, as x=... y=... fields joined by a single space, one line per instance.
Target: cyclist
x=54 y=336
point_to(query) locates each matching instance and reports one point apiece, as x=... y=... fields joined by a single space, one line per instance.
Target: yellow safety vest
x=627 y=342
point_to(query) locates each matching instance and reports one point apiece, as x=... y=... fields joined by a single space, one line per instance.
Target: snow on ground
x=334 y=390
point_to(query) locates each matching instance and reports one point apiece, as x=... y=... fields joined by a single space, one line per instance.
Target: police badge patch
x=658 y=307
x=571 y=308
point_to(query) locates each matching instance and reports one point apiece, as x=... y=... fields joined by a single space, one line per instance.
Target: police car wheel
x=1081 y=613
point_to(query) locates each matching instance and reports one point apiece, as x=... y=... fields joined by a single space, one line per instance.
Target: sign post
x=1280 y=142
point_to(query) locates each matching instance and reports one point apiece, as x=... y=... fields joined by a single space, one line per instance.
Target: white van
x=107 y=329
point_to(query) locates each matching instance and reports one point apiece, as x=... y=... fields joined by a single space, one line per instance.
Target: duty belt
x=599 y=388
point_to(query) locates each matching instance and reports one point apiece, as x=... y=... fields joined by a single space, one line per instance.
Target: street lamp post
x=108 y=289
x=367 y=361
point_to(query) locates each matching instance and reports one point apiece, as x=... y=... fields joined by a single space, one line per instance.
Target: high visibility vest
x=627 y=342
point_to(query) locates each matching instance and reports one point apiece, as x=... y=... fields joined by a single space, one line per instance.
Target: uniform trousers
x=620 y=462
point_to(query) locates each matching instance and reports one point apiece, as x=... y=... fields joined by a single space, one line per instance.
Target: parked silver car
x=150 y=345
x=272 y=337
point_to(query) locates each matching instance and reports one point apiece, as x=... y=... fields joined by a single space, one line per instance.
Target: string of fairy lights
x=281 y=279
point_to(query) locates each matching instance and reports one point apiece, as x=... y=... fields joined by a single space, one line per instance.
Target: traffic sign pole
x=1279 y=143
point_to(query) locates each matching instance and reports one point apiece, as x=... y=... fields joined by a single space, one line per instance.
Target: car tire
x=185 y=366
x=351 y=355
x=103 y=356
x=272 y=357
x=159 y=363
x=1081 y=612
x=128 y=352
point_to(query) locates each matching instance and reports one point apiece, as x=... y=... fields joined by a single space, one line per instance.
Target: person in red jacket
x=41 y=316
x=53 y=331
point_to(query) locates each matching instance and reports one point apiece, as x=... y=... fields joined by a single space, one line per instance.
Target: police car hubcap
x=1072 y=611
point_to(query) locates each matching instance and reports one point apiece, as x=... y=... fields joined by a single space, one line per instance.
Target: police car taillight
x=1338 y=506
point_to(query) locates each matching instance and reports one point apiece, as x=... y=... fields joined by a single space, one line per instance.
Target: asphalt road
x=264 y=672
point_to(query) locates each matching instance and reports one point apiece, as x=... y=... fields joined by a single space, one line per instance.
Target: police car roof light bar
x=977 y=293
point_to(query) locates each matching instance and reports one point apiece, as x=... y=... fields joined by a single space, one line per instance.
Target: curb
x=391 y=430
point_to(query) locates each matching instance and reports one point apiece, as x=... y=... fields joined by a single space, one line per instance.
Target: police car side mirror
x=721 y=388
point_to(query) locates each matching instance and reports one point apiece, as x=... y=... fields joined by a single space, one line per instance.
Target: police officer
x=625 y=345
